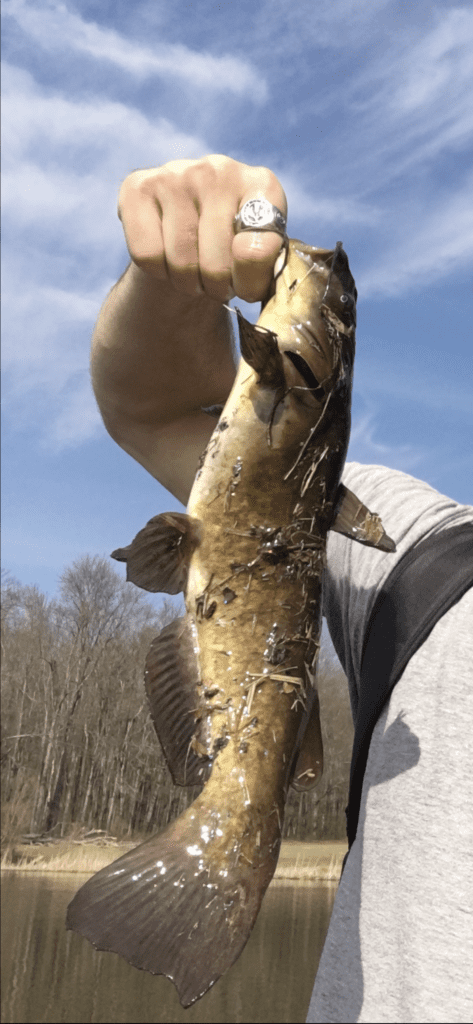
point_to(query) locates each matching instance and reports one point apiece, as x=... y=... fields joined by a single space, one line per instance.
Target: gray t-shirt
x=410 y=510
x=399 y=948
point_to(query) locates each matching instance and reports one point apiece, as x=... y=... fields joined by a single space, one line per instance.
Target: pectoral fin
x=172 y=681
x=259 y=348
x=355 y=520
x=213 y=410
x=157 y=559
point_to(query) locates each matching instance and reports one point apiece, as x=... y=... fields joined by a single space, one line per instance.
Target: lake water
x=50 y=975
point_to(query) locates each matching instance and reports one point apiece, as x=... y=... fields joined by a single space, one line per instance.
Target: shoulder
x=410 y=510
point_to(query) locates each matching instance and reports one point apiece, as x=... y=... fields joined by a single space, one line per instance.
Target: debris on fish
x=231 y=685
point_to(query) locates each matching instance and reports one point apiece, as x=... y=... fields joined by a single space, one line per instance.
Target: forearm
x=163 y=347
x=158 y=357
x=157 y=354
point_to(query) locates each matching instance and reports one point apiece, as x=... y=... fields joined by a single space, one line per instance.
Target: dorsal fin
x=354 y=520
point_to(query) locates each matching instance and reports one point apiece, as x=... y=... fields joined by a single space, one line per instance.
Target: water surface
x=50 y=975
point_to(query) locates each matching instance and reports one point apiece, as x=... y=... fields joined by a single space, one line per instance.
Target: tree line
x=78 y=746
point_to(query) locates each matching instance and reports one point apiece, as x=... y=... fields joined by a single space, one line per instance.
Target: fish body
x=231 y=685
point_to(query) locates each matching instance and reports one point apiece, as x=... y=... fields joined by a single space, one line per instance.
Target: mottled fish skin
x=251 y=560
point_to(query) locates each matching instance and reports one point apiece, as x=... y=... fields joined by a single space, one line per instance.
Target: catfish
x=231 y=685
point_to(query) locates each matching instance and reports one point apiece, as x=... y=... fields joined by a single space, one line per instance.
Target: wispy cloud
x=57 y=130
x=65 y=158
x=366 y=447
x=56 y=28
x=305 y=205
x=412 y=103
x=66 y=154
x=46 y=337
x=399 y=379
x=39 y=349
x=294 y=27
x=437 y=66
x=78 y=418
x=64 y=161
x=437 y=244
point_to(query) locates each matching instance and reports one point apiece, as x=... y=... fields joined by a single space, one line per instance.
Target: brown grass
x=298 y=860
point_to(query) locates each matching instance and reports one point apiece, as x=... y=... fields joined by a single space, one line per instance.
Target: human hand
x=178 y=224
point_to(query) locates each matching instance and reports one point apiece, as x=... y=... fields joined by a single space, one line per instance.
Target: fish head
x=311 y=309
x=302 y=353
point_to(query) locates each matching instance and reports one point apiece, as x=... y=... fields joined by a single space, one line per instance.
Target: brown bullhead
x=231 y=685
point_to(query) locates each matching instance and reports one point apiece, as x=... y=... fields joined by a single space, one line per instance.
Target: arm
x=163 y=345
x=157 y=358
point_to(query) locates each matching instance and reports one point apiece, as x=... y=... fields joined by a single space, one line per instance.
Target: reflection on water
x=50 y=975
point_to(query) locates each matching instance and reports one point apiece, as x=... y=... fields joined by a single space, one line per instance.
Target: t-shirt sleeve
x=410 y=510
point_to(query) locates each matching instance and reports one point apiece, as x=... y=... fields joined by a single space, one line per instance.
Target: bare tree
x=79 y=748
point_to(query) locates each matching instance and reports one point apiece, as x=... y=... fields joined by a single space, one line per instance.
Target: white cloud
x=64 y=162
x=55 y=28
x=39 y=348
x=46 y=340
x=439 y=65
x=65 y=159
x=364 y=447
x=438 y=387
x=413 y=103
x=78 y=419
x=323 y=24
x=304 y=205
x=430 y=245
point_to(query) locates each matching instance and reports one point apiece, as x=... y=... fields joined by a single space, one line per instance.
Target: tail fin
x=172 y=907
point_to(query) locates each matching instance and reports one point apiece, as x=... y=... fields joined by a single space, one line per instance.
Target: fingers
x=178 y=224
x=254 y=252
x=140 y=213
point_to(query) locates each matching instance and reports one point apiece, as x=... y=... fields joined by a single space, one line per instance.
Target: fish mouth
x=312 y=384
x=308 y=359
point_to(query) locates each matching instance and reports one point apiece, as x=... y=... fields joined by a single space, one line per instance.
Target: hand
x=178 y=224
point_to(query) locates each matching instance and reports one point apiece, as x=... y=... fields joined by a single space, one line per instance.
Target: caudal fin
x=168 y=909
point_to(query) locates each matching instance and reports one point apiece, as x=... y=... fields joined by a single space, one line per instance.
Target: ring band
x=260 y=215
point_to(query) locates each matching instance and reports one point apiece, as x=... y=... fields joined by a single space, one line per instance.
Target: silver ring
x=260 y=215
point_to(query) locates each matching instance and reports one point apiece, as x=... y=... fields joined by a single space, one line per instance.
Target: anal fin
x=354 y=520
x=172 y=685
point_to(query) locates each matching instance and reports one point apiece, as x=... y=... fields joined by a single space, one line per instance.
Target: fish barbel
x=231 y=685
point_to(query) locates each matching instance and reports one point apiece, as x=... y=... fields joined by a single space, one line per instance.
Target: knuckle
x=135 y=187
x=148 y=184
x=133 y=183
x=264 y=182
x=148 y=258
x=209 y=173
x=216 y=282
x=151 y=266
x=264 y=176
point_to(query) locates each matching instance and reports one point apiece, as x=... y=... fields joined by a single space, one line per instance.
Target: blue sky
x=363 y=110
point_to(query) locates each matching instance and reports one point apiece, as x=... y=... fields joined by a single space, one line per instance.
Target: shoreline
x=298 y=861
